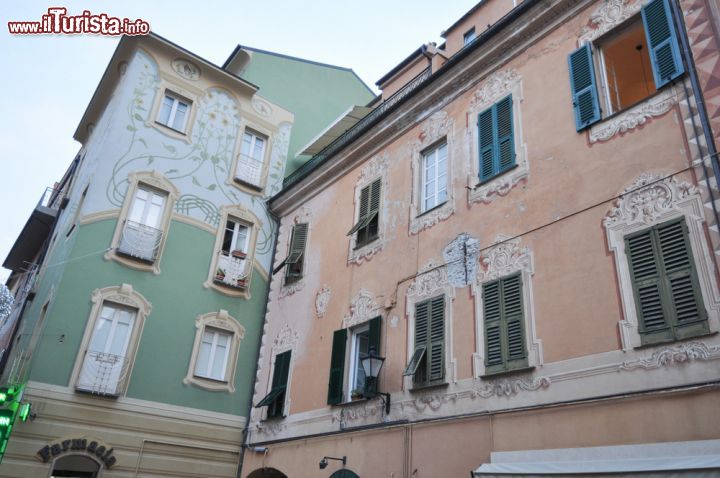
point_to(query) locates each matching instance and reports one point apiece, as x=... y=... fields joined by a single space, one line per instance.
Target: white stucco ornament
x=362 y=308
x=322 y=299
x=186 y=69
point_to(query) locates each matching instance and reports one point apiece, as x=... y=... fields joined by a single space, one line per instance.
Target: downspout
x=699 y=101
x=246 y=430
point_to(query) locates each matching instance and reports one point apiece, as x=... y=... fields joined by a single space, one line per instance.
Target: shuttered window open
x=504 y=325
x=665 y=284
x=367 y=226
x=296 y=255
x=337 y=367
x=662 y=42
x=583 y=87
x=497 y=144
x=427 y=364
x=275 y=400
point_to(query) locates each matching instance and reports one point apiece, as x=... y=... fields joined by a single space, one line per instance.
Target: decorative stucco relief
x=353 y=412
x=433 y=402
x=261 y=107
x=461 y=257
x=322 y=299
x=186 y=69
x=510 y=387
x=270 y=428
x=647 y=199
x=673 y=356
x=290 y=289
x=376 y=168
x=497 y=86
x=431 y=280
x=630 y=119
x=434 y=129
x=504 y=259
x=362 y=308
x=607 y=16
x=286 y=339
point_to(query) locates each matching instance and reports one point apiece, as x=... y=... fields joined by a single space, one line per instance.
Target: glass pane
x=241 y=240
x=228 y=237
x=247 y=142
x=180 y=113
x=259 y=147
x=203 y=358
x=218 y=361
x=361 y=349
x=164 y=114
x=138 y=206
x=119 y=340
x=155 y=210
x=101 y=333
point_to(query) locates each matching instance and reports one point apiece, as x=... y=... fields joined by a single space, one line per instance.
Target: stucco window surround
x=376 y=168
x=303 y=216
x=286 y=340
x=245 y=217
x=119 y=297
x=653 y=199
x=154 y=182
x=505 y=259
x=177 y=88
x=431 y=282
x=268 y=134
x=611 y=16
x=438 y=129
x=497 y=86
x=223 y=322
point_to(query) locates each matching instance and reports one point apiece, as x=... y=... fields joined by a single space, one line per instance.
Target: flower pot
x=238 y=254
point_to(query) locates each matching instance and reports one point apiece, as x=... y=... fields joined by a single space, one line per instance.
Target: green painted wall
x=177 y=296
x=317 y=94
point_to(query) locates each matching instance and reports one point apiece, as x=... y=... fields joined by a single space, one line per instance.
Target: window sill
x=273 y=419
x=519 y=370
x=170 y=128
x=428 y=211
x=350 y=402
x=428 y=386
x=367 y=243
x=493 y=178
x=673 y=340
x=247 y=184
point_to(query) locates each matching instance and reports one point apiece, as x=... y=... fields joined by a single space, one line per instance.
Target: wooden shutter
x=422 y=332
x=487 y=144
x=504 y=324
x=374 y=196
x=298 y=242
x=337 y=367
x=582 y=86
x=662 y=42
x=282 y=370
x=505 y=143
x=374 y=332
x=279 y=385
x=436 y=353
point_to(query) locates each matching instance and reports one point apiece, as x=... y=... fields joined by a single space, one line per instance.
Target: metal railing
x=231 y=271
x=359 y=127
x=103 y=373
x=140 y=241
x=249 y=170
x=50 y=198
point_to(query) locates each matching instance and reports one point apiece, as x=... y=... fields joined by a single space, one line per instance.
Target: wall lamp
x=372 y=363
x=324 y=461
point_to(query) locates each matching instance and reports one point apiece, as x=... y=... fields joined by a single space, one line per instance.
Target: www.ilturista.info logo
x=58 y=21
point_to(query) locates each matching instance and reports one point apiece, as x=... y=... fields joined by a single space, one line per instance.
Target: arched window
x=344 y=474
x=75 y=466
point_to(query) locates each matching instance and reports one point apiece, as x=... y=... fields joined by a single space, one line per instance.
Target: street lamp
x=372 y=364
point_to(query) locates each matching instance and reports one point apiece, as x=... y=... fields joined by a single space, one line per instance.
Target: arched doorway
x=267 y=473
x=344 y=474
x=75 y=466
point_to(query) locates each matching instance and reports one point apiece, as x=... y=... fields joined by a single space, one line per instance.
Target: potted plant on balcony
x=356 y=394
x=220 y=274
x=238 y=254
x=242 y=283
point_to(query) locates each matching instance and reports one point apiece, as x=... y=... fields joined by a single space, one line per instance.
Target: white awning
x=657 y=460
x=343 y=123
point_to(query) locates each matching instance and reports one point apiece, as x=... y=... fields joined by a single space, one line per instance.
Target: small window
x=347 y=376
x=296 y=255
x=275 y=400
x=232 y=264
x=359 y=348
x=504 y=325
x=427 y=364
x=633 y=62
x=174 y=112
x=213 y=355
x=368 y=223
x=252 y=159
x=142 y=232
x=497 y=144
x=434 y=177
x=469 y=36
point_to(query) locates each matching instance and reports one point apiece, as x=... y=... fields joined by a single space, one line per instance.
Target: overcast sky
x=49 y=79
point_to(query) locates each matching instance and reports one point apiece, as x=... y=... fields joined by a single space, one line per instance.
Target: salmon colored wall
x=481 y=19
x=401 y=79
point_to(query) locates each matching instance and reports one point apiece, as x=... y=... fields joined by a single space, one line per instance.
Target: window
x=275 y=400
x=427 y=364
x=434 y=177
x=173 y=112
x=504 y=325
x=347 y=377
x=497 y=145
x=627 y=60
x=665 y=284
x=232 y=269
x=215 y=351
x=469 y=36
x=108 y=347
x=296 y=255
x=142 y=233
x=367 y=226
x=251 y=160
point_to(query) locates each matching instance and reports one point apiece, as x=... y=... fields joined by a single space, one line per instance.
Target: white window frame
x=434 y=153
x=120 y=296
x=353 y=359
x=236 y=178
x=177 y=100
x=213 y=353
x=179 y=89
x=223 y=322
x=148 y=180
x=375 y=168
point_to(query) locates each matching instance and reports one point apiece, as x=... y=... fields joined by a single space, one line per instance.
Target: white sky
x=49 y=79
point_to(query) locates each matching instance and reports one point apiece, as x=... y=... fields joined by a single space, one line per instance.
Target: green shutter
x=506 y=143
x=665 y=284
x=337 y=367
x=374 y=196
x=487 y=143
x=297 y=242
x=662 y=41
x=276 y=398
x=504 y=324
x=428 y=361
x=282 y=370
x=375 y=329
x=582 y=87
x=422 y=332
x=436 y=354
x=497 y=145
x=363 y=212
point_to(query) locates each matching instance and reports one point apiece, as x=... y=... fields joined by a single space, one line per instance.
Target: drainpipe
x=246 y=431
x=699 y=101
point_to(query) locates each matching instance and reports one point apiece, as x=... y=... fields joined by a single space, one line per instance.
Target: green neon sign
x=10 y=399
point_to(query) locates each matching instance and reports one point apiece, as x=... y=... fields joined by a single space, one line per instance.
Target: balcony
x=103 y=374
x=140 y=241
x=36 y=231
x=249 y=171
x=232 y=270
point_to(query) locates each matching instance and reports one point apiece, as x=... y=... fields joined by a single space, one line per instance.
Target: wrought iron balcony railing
x=140 y=241
x=103 y=373
x=249 y=170
x=231 y=270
